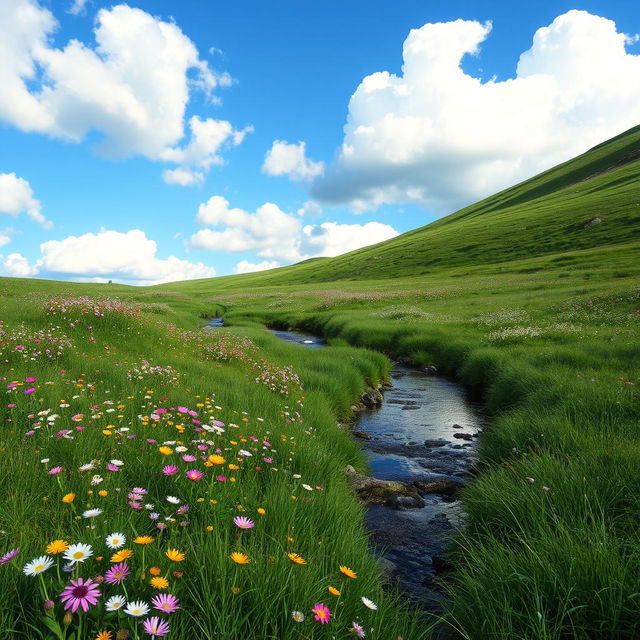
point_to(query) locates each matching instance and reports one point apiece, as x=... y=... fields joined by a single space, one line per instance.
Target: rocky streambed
x=420 y=438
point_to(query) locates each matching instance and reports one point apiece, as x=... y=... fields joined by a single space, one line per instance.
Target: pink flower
x=156 y=627
x=243 y=523
x=357 y=630
x=80 y=593
x=194 y=474
x=221 y=478
x=30 y=379
x=29 y=390
x=321 y=613
x=54 y=471
x=187 y=457
x=170 y=470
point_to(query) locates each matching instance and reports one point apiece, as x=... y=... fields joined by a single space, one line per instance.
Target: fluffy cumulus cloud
x=77 y=7
x=16 y=197
x=244 y=266
x=284 y=159
x=132 y=86
x=127 y=257
x=275 y=235
x=443 y=138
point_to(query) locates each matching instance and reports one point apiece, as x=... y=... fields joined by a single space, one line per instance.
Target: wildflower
x=123 y=634
x=174 y=555
x=86 y=467
x=165 y=602
x=102 y=493
x=194 y=474
x=47 y=605
x=104 y=635
x=348 y=572
x=155 y=571
x=165 y=451
x=115 y=540
x=240 y=558
x=333 y=591
x=143 y=540
x=57 y=546
x=530 y=480
x=115 y=603
x=9 y=556
x=173 y=500
x=117 y=573
x=321 y=613
x=123 y=554
x=296 y=559
x=37 y=566
x=137 y=609
x=156 y=627
x=159 y=582
x=78 y=553
x=261 y=511
x=91 y=513
x=369 y=604
x=216 y=459
x=170 y=470
x=54 y=471
x=243 y=523
x=80 y=593
x=68 y=498
x=298 y=616
x=357 y=630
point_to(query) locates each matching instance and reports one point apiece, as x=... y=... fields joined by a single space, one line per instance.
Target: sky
x=156 y=141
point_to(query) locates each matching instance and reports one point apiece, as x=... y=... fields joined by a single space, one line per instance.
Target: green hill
x=590 y=201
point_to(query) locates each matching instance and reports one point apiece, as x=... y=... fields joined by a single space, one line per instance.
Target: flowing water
x=426 y=430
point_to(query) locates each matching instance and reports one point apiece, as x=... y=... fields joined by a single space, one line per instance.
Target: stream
x=425 y=430
x=423 y=434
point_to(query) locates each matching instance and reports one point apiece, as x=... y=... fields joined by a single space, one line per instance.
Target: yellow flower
x=235 y=590
x=103 y=493
x=159 y=582
x=216 y=459
x=155 y=571
x=175 y=555
x=334 y=591
x=69 y=498
x=348 y=572
x=106 y=432
x=143 y=540
x=261 y=511
x=240 y=558
x=57 y=546
x=209 y=527
x=104 y=635
x=296 y=559
x=120 y=556
x=165 y=451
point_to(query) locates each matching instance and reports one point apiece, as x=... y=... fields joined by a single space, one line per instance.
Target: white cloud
x=16 y=197
x=244 y=266
x=4 y=239
x=77 y=7
x=443 y=138
x=284 y=159
x=310 y=208
x=17 y=266
x=129 y=257
x=273 y=234
x=132 y=86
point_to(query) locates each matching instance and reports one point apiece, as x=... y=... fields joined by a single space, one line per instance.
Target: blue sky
x=461 y=121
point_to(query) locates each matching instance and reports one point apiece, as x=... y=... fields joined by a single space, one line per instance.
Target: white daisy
x=369 y=604
x=245 y=453
x=45 y=460
x=87 y=467
x=114 y=603
x=91 y=513
x=116 y=540
x=298 y=616
x=38 y=565
x=181 y=449
x=78 y=553
x=307 y=487
x=173 y=500
x=117 y=463
x=137 y=609
x=96 y=480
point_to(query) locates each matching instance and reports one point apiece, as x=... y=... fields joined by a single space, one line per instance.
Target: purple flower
x=243 y=523
x=170 y=470
x=156 y=627
x=194 y=474
x=80 y=593
x=117 y=573
x=9 y=556
x=165 y=602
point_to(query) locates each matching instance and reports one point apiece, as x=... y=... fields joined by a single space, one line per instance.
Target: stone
x=362 y=434
x=444 y=486
x=430 y=370
x=463 y=436
x=371 y=398
x=406 y=502
x=433 y=444
x=373 y=490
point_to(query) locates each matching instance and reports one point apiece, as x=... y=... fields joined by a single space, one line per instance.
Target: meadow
x=217 y=454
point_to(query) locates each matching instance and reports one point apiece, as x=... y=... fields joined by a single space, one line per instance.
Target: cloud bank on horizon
x=442 y=138
x=433 y=135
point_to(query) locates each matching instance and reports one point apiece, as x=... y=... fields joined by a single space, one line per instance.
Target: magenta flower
x=113 y=467
x=29 y=390
x=156 y=627
x=170 y=470
x=244 y=523
x=54 y=471
x=9 y=556
x=321 y=613
x=165 y=602
x=117 y=573
x=80 y=593
x=194 y=474
x=357 y=630
x=187 y=457
x=30 y=379
x=221 y=478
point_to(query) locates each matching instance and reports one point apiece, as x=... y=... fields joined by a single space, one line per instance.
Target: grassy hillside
x=513 y=296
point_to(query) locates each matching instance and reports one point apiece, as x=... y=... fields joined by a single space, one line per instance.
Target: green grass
x=513 y=297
